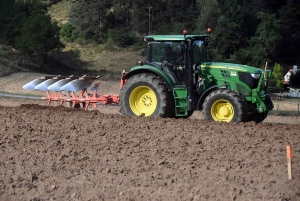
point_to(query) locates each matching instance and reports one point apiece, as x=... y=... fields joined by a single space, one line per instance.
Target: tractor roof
x=175 y=37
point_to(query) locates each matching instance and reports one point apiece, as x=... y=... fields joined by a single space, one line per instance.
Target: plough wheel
x=146 y=95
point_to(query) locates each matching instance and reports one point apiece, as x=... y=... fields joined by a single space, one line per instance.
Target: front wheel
x=146 y=95
x=225 y=105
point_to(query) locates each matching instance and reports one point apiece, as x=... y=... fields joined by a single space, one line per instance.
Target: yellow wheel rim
x=222 y=110
x=142 y=101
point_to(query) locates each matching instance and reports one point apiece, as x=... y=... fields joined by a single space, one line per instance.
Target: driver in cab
x=171 y=56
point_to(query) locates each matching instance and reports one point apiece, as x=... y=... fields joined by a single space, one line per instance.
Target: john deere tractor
x=177 y=79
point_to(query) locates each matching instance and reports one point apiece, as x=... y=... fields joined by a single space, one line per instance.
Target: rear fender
x=156 y=71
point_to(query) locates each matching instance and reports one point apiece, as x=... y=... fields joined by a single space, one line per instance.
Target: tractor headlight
x=255 y=76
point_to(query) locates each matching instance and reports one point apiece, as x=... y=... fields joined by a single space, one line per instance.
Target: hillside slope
x=11 y=61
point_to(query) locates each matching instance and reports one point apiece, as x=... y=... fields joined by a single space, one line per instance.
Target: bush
x=39 y=36
x=276 y=78
x=66 y=32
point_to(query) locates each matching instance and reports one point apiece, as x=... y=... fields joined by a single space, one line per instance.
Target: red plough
x=65 y=89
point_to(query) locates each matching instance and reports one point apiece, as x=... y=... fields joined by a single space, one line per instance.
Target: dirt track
x=57 y=153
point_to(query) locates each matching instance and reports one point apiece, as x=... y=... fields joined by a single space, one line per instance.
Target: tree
x=66 y=32
x=39 y=36
x=288 y=50
x=242 y=31
x=209 y=13
x=264 y=43
x=90 y=17
x=225 y=18
x=6 y=8
x=277 y=77
x=176 y=15
x=121 y=37
x=20 y=11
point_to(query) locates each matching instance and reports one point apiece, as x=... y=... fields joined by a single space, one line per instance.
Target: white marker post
x=289 y=161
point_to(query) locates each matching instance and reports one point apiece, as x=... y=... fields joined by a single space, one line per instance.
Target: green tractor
x=177 y=79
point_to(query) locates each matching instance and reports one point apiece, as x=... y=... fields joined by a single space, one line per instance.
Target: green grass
x=95 y=59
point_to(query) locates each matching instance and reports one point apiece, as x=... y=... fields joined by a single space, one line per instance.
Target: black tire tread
x=238 y=101
x=165 y=101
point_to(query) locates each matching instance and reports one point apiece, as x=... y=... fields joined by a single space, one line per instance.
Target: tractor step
x=181 y=104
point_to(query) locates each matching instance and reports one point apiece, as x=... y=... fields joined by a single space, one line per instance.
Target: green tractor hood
x=231 y=67
x=253 y=87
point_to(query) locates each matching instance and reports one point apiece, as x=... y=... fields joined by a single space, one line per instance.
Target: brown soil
x=61 y=153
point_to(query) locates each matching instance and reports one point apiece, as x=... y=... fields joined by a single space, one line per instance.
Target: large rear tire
x=146 y=95
x=225 y=105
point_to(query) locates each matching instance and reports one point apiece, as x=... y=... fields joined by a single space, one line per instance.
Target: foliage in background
x=288 y=50
x=276 y=79
x=92 y=19
x=240 y=35
x=243 y=31
x=67 y=32
x=265 y=40
x=38 y=36
x=121 y=38
x=226 y=36
x=6 y=7
x=29 y=29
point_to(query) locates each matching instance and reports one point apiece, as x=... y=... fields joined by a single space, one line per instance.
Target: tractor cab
x=174 y=54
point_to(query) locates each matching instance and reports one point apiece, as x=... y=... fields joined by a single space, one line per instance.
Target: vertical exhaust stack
x=64 y=90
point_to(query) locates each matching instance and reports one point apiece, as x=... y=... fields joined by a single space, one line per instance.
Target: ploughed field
x=59 y=153
x=62 y=153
